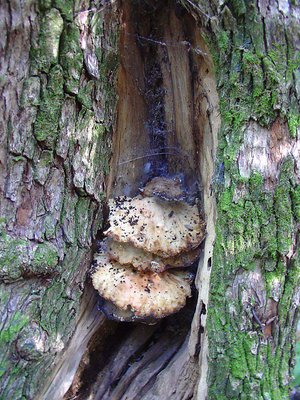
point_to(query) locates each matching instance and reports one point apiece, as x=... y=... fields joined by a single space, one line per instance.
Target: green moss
x=239 y=7
x=46 y=55
x=271 y=73
x=293 y=123
x=250 y=82
x=45 y=259
x=264 y=107
x=44 y=5
x=242 y=231
x=277 y=54
x=65 y=7
x=296 y=202
x=250 y=344
x=85 y=94
x=18 y=258
x=284 y=218
x=251 y=230
x=256 y=181
x=296 y=381
x=238 y=361
x=16 y=323
x=251 y=61
x=71 y=57
x=291 y=282
x=252 y=221
x=14 y=256
x=46 y=125
x=223 y=40
x=268 y=237
x=225 y=201
x=82 y=221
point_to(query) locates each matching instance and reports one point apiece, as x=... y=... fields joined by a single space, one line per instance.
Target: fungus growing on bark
x=169 y=189
x=163 y=228
x=146 y=294
x=127 y=254
x=148 y=236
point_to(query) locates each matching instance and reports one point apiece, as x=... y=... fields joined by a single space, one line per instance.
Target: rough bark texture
x=254 y=290
x=57 y=79
x=58 y=86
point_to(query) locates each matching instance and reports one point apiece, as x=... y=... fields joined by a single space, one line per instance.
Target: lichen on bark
x=49 y=221
x=255 y=254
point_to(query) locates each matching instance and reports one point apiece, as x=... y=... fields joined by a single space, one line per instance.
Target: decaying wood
x=128 y=175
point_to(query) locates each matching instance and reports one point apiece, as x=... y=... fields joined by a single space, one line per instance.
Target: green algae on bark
x=46 y=125
x=45 y=241
x=46 y=54
x=249 y=336
x=71 y=57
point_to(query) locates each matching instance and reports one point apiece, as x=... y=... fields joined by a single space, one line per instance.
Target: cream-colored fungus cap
x=163 y=228
x=169 y=189
x=127 y=254
x=146 y=294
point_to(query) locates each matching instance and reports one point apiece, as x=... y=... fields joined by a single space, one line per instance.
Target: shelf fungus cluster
x=140 y=270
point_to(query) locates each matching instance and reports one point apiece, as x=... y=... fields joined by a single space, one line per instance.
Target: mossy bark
x=56 y=126
x=254 y=288
x=58 y=85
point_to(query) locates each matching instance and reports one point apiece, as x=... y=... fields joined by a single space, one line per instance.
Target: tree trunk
x=86 y=87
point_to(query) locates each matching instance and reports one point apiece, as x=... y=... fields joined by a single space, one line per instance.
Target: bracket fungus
x=126 y=254
x=165 y=188
x=145 y=294
x=163 y=228
x=147 y=239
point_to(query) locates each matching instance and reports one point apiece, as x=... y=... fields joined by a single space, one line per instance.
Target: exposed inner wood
x=89 y=322
x=156 y=131
x=167 y=123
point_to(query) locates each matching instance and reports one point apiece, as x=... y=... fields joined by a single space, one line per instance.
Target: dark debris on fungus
x=140 y=268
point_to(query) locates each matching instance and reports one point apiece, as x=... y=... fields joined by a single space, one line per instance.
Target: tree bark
x=82 y=85
x=56 y=117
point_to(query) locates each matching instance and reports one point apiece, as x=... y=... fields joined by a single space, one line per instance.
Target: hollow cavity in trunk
x=164 y=127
